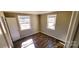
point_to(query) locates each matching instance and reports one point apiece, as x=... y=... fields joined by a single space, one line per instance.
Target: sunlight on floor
x=28 y=44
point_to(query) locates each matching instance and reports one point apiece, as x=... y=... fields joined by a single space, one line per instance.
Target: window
x=51 y=21
x=24 y=22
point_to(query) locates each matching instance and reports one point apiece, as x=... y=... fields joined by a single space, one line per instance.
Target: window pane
x=52 y=27
x=51 y=21
x=25 y=26
x=24 y=22
x=51 y=24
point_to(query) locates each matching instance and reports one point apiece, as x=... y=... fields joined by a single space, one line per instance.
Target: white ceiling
x=33 y=12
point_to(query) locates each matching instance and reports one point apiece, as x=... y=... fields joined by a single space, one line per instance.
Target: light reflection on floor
x=28 y=44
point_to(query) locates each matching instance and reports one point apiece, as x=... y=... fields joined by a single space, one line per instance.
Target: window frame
x=54 y=24
x=26 y=24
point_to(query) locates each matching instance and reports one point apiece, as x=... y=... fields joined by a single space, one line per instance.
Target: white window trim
x=53 y=28
x=26 y=24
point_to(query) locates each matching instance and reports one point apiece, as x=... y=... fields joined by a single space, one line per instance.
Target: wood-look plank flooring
x=38 y=40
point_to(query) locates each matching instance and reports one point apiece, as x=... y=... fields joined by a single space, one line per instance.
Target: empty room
x=39 y=29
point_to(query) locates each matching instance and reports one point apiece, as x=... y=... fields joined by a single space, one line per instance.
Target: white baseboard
x=51 y=36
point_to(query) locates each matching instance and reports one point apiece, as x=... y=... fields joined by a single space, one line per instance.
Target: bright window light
x=51 y=21
x=24 y=22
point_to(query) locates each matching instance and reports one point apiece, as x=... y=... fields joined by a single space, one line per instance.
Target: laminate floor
x=38 y=40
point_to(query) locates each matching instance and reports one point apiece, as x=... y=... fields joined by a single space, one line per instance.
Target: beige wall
x=62 y=22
